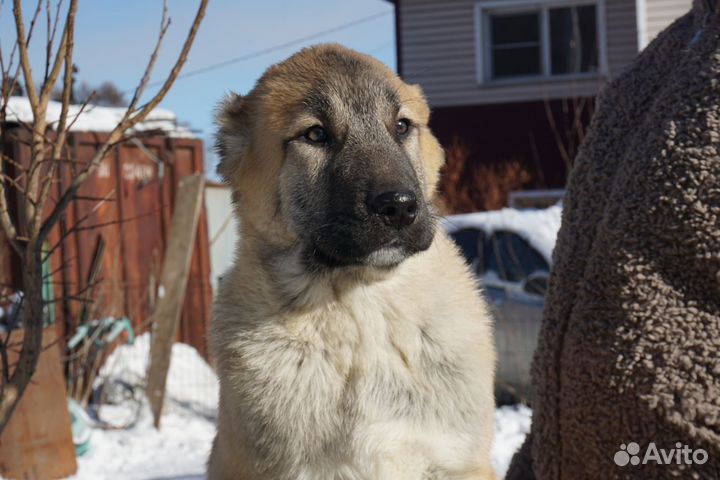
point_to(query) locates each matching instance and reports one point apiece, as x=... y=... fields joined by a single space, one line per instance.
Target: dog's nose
x=397 y=209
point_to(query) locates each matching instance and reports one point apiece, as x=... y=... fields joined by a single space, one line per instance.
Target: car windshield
x=468 y=239
x=512 y=258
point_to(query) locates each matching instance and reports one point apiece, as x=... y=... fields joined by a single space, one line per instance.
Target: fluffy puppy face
x=330 y=155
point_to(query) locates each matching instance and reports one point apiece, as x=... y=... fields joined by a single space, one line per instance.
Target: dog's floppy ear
x=233 y=135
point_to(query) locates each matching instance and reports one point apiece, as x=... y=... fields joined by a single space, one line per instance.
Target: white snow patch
x=191 y=383
x=97 y=119
x=179 y=450
x=512 y=424
x=181 y=447
x=538 y=226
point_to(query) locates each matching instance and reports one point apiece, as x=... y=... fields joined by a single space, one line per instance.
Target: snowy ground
x=512 y=423
x=180 y=449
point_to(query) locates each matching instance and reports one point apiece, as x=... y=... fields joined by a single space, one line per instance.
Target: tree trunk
x=32 y=323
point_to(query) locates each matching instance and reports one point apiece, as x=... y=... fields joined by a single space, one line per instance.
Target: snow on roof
x=538 y=226
x=97 y=119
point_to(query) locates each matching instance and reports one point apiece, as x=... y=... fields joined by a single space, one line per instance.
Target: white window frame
x=483 y=47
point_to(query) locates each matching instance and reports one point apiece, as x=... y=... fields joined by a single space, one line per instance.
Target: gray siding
x=438 y=52
x=661 y=13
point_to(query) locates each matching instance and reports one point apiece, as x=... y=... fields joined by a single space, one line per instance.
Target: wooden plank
x=37 y=442
x=187 y=158
x=173 y=281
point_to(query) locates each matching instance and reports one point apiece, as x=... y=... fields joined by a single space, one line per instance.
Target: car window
x=512 y=257
x=468 y=240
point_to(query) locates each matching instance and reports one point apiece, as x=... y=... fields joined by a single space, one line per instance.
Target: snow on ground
x=191 y=383
x=512 y=423
x=97 y=119
x=179 y=450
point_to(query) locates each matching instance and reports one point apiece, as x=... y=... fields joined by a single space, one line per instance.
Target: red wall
x=519 y=131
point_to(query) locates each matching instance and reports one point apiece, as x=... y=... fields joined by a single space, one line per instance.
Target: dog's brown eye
x=317 y=135
x=402 y=126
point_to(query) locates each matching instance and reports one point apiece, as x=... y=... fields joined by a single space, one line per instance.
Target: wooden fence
x=126 y=207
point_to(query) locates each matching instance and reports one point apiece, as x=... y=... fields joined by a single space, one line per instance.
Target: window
x=555 y=39
x=512 y=257
x=515 y=45
x=470 y=241
x=573 y=40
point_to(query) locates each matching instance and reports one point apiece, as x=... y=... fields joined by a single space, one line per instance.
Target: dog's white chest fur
x=379 y=384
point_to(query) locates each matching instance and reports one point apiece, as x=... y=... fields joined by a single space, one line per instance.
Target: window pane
x=512 y=257
x=515 y=28
x=573 y=40
x=516 y=62
x=515 y=49
x=468 y=240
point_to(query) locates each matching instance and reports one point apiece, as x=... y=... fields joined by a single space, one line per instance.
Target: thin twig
x=63 y=55
x=52 y=31
x=49 y=43
x=164 y=25
x=22 y=45
x=59 y=144
x=64 y=266
x=112 y=222
x=11 y=161
x=82 y=219
x=117 y=133
x=22 y=42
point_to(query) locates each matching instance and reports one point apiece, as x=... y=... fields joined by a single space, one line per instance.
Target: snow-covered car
x=510 y=251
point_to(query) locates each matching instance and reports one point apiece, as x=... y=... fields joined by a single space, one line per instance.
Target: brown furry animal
x=350 y=338
x=629 y=349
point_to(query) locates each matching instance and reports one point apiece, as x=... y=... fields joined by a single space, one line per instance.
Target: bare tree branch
x=78 y=222
x=65 y=265
x=28 y=231
x=51 y=31
x=59 y=144
x=164 y=25
x=22 y=45
x=118 y=132
x=556 y=134
x=60 y=56
x=29 y=36
x=49 y=43
x=34 y=213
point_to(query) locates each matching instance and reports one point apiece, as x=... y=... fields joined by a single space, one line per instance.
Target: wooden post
x=173 y=281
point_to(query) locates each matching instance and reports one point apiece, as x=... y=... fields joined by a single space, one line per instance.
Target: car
x=510 y=253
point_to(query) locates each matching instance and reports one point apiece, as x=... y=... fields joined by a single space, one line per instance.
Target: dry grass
x=467 y=185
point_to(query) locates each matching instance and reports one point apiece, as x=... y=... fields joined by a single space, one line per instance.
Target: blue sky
x=114 y=40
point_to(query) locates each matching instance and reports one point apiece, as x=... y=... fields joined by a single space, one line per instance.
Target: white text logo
x=680 y=455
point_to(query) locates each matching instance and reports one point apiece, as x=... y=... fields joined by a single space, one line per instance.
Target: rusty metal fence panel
x=127 y=204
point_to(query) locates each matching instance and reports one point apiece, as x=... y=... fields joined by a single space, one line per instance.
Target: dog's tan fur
x=352 y=373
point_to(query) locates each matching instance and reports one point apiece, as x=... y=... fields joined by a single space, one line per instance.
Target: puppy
x=350 y=338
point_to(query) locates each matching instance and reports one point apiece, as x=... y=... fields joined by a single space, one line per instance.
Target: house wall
x=661 y=13
x=518 y=131
x=438 y=52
